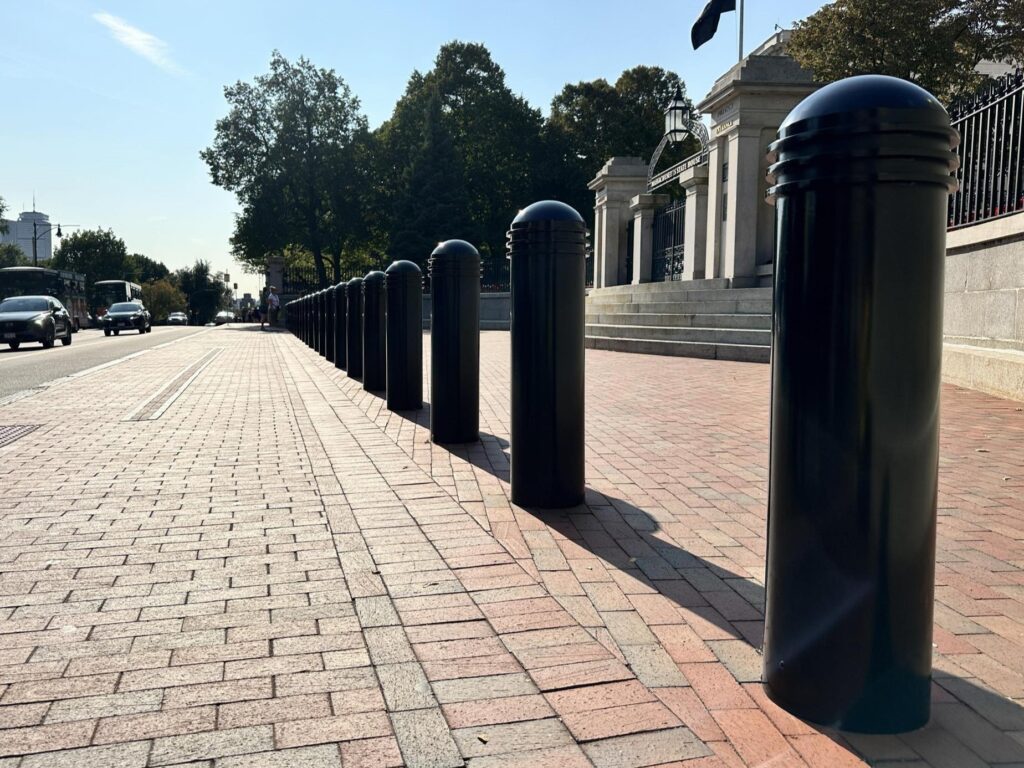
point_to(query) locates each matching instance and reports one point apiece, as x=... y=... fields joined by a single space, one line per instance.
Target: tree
x=146 y=270
x=162 y=297
x=205 y=294
x=3 y=224
x=433 y=204
x=283 y=144
x=12 y=256
x=934 y=43
x=593 y=121
x=495 y=132
x=97 y=253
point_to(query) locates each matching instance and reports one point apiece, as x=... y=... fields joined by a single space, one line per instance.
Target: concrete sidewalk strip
x=278 y=571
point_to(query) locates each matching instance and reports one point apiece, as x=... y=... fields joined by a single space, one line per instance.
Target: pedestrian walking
x=273 y=306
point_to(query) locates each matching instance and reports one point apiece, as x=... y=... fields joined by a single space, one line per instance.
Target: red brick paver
x=276 y=571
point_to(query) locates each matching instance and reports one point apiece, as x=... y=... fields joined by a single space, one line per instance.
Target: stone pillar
x=695 y=183
x=747 y=105
x=275 y=273
x=621 y=179
x=643 y=208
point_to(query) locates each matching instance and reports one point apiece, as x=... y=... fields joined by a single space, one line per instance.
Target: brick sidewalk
x=242 y=559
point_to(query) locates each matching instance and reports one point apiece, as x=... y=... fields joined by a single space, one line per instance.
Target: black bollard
x=354 y=327
x=313 y=325
x=305 y=320
x=318 y=312
x=547 y=247
x=862 y=177
x=455 y=343
x=340 y=314
x=331 y=323
x=403 y=283
x=374 y=359
x=322 y=309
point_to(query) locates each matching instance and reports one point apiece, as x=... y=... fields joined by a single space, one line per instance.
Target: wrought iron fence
x=299 y=281
x=991 y=131
x=494 y=275
x=669 y=242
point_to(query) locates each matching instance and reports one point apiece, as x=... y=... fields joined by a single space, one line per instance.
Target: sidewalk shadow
x=606 y=525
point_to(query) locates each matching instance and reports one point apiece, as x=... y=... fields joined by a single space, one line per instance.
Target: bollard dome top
x=455 y=249
x=547 y=210
x=403 y=268
x=845 y=102
x=374 y=276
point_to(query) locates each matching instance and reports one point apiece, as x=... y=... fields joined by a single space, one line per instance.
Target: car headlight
x=38 y=320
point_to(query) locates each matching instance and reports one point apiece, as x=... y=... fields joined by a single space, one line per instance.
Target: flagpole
x=740 y=9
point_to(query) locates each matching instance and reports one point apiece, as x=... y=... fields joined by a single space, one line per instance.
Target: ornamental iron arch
x=678 y=124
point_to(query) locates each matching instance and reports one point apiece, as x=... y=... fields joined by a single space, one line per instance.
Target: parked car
x=41 y=319
x=127 y=316
x=177 y=318
x=224 y=317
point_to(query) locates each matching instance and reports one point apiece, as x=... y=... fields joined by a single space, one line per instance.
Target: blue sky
x=107 y=104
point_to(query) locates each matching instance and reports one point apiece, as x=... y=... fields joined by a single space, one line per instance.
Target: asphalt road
x=32 y=365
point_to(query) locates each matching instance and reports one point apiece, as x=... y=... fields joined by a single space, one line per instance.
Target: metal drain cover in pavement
x=11 y=432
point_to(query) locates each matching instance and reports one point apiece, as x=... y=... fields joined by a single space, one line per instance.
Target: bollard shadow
x=968 y=718
x=971 y=724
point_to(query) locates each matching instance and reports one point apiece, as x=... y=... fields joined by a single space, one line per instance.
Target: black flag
x=707 y=23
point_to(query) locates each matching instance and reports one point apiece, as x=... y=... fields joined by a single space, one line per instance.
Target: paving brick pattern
x=280 y=572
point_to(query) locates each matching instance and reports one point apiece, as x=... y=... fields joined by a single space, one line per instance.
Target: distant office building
x=21 y=232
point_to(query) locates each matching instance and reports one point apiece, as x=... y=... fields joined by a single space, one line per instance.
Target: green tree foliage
x=205 y=294
x=433 y=202
x=11 y=256
x=286 y=147
x=145 y=269
x=97 y=253
x=3 y=210
x=162 y=297
x=935 y=43
x=459 y=156
x=495 y=132
x=593 y=121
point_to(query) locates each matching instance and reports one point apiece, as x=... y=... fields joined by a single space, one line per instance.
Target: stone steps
x=747 y=353
x=692 y=320
x=668 y=333
x=681 y=295
x=701 y=318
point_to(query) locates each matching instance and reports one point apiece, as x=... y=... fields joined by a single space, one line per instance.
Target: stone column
x=695 y=183
x=643 y=208
x=615 y=185
x=747 y=104
x=275 y=273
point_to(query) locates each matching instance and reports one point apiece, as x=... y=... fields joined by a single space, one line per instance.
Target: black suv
x=34 y=318
x=127 y=316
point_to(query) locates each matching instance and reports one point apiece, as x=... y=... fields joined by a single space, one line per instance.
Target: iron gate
x=669 y=229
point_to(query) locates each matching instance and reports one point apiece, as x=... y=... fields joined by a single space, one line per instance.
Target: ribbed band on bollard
x=454 y=343
x=374 y=353
x=547 y=249
x=862 y=177
x=403 y=286
x=354 y=327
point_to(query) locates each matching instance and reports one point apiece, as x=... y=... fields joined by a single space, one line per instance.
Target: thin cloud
x=149 y=47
